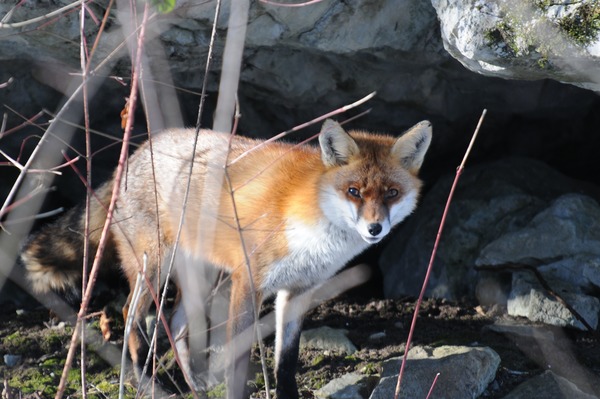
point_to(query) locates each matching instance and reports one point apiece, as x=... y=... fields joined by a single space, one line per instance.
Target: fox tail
x=53 y=257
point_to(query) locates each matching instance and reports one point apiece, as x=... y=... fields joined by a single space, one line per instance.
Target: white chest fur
x=316 y=253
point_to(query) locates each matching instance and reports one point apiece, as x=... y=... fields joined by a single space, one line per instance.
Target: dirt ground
x=42 y=346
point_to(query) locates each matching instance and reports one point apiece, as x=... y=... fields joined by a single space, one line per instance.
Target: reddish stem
x=459 y=171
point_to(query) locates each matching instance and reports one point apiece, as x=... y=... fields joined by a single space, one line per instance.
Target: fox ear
x=336 y=145
x=412 y=146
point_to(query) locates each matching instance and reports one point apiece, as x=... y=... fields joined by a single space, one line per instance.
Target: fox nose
x=374 y=229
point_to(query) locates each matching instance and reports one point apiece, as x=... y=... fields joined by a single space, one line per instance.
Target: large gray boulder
x=569 y=227
x=464 y=371
x=299 y=63
x=528 y=298
x=524 y=39
x=548 y=386
x=512 y=217
x=491 y=201
x=564 y=241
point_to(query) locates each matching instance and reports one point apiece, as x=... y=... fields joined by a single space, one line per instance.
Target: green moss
x=32 y=381
x=543 y=63
x=17 y=343
x=52 y=342
x=514 y=37
x=370 y=369
x=53 y=363
x=543 y=4
x=16 y=336
x=217 y=392
x=503 y=37
x=259 y=381
x=583 y=26
x=108 y=388
x=317 y=381
x=351 y=358
x=317 y=360
x=44 y=378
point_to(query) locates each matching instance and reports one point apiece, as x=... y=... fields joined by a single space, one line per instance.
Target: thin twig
x=85 y=64
x=302 y=126
x=44 y=17
x=7 y=83
x=42 y=215
x=432 y=385
x=115 y=194
x=33 y=193
x=4 y=123
x=300 y=144
x=14 y=162
x=40 y=145
x=186 y=197
x=211 y=45
x=117 y=140
x=459 y=171
x=99 y=34
x=27 y=122
x=135 y=296
x=255 y=304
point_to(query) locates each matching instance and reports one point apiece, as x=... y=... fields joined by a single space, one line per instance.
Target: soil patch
x=378 y=328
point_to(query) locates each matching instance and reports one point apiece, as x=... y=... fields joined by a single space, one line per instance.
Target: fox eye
x=391 y=193
x=353 y=191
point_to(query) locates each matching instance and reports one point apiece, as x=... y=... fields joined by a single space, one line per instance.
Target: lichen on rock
x=524 y=39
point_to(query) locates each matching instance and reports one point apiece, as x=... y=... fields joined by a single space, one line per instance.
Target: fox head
x=371 y=183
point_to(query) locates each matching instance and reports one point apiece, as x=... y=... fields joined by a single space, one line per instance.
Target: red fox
x=304 y=213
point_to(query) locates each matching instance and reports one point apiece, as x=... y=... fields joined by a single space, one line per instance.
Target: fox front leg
x=289 y=311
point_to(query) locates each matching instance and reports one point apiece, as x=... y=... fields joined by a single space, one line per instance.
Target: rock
x=465 y=372
x=294 y=52
x=377 y=336
x=568 y=230
x=491 y=291
x=548 y=386
x=570 y=226
x=498 y=220
x=513 y=328
x=12 y=360
x=528 y=299
x=319 y=27
x=327 y=338
x=348 y=386
x=582 y=270
x=492 y=201
x=523 y=40
x=550 y=348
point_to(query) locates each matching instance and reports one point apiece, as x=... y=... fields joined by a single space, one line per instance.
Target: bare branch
x=7 y=83
x=459 y=171
x=302 y=126
x=129 y=322
x=432 y=385
x=115 y=193
x=4 y=25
